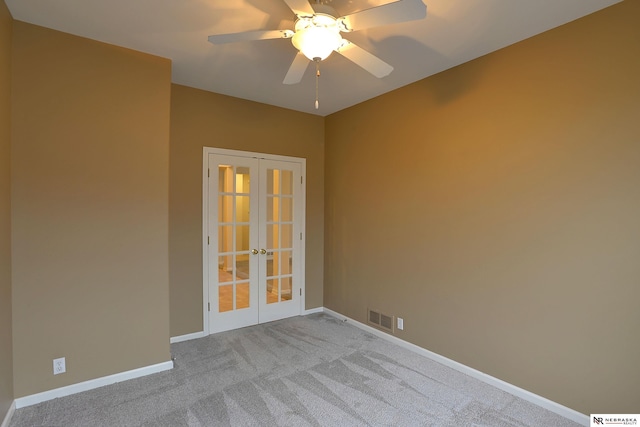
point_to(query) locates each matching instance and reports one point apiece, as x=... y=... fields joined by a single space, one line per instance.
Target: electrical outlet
x=400 y=323
x=59 y=366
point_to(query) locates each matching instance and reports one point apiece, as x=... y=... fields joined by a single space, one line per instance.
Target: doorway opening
x=253 y=238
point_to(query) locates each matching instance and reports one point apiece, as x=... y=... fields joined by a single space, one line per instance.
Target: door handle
x=263 y=251
x=254 y=251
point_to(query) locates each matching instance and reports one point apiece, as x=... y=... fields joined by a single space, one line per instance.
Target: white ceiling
x=454 y=32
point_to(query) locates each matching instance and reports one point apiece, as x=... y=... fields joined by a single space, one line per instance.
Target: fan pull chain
x=317 y=82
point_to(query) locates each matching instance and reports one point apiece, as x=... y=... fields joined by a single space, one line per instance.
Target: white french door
x=253 y=247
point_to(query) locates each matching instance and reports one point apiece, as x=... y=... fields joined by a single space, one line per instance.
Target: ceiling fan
x=317 y=34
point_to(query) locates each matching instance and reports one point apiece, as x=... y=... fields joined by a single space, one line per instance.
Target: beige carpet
x=302 y=371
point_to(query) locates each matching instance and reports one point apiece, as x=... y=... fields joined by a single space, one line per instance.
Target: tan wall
x=203 y=119
x=495 y=207
x=6 y=355
x=89 y=208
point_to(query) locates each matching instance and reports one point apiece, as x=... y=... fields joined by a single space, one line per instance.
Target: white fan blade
x=366 y=60
x=391 y=13
x=297 y=69
x=250 y=36
x=300 y=7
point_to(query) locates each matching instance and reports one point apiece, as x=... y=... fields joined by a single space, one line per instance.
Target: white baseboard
x=313 y=310
x=7 y=417
x=187 y=337
x=202 y=334
x=34 y=399
x=502 y=385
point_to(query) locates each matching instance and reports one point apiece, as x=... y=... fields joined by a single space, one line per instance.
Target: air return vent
x=381 y=320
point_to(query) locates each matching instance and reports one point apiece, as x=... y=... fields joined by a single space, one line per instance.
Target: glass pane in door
x=225 y=298
x=286 y=293
x=272 y=291
x=287 y=209
x=286 y=236
x=286 y=187
x=286 y=258
x=242 y=295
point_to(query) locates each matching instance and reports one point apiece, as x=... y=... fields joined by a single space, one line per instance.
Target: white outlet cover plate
x=59 y=366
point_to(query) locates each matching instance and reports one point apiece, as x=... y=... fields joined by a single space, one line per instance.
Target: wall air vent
x=380 y=320
x=374 y=317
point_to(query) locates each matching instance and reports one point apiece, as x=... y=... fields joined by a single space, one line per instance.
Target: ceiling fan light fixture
x=317 y=37
x=317 y=33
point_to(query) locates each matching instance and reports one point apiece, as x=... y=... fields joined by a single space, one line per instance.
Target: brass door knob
x=263 y=251
x=254 y=251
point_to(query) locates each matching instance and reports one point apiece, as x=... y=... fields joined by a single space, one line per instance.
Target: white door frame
x=205 y=215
